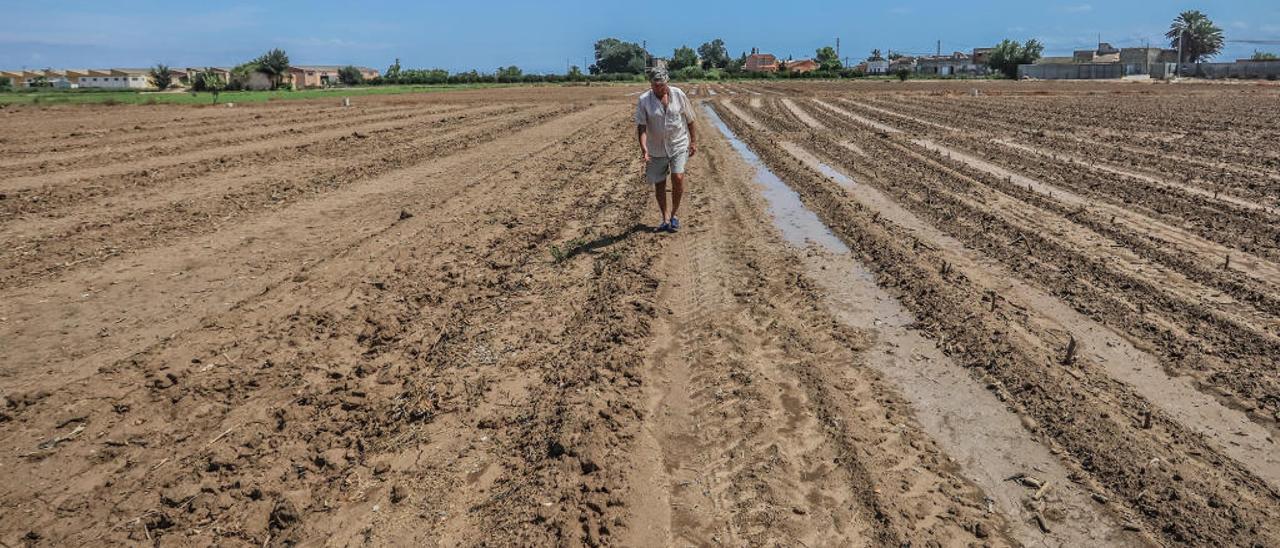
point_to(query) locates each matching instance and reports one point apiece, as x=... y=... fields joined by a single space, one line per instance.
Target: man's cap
x=658 y=75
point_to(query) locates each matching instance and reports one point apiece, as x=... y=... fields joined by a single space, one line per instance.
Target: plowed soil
x=925 y=314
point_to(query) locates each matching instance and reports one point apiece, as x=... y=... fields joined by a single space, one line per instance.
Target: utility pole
x=837 y=47
x=939 y=53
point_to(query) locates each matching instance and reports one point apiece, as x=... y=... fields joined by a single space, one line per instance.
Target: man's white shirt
x=667 y=125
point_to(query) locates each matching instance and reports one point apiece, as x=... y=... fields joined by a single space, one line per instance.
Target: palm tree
x=162 y=76
x=1195 y=35
x=275 y=63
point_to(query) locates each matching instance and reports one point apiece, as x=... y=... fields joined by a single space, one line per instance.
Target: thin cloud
x=1078 y=8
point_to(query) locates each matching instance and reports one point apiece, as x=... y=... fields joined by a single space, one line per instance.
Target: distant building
x=1070 y=71
x=877 y=66
x=191 y=72
x=1104 y=62
x=956 y=64
x=48 y=77
x=319 y=76
x=117 y=78
x=1105 y=53
x=259 y=81
x=1145 y=60
x=905 y=62
x=760 y=62
x=801 y=66
x=981 y=56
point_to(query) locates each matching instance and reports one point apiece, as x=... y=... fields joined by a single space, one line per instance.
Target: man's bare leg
x=677 y=191
x=660 y=191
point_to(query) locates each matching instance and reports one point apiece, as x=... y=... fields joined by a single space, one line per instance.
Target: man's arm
x=688 y=122
x=642 y=135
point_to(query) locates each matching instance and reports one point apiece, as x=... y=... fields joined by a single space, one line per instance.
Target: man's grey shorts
x=659 y=166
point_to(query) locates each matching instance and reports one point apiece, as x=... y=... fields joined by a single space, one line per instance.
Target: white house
x=117 y=78
x=878 y=66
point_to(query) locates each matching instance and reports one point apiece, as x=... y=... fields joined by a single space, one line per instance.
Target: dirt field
x=925 y=314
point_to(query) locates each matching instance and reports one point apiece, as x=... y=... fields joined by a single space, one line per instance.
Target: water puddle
x=974 y=428
x=798 y=224
x=812 y=161
x=1230 y=430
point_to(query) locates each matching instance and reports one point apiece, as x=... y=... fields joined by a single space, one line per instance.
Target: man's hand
x=645 y=154
x=693 y=149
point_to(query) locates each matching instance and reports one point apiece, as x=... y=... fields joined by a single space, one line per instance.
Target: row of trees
x=1192 y=32
x=274 y=64
x=616 y=60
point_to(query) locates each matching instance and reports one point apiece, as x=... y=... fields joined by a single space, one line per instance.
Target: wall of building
x=117 y=81
x=1243 y=69
x=259 y=81
x=1074 y=71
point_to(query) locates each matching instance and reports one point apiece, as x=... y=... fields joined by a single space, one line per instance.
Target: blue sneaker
x=664 y=227
x=674 y=225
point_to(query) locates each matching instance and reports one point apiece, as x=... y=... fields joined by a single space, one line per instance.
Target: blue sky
x=548 y=35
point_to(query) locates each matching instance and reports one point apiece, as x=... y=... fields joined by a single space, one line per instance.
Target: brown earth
x=443 y=319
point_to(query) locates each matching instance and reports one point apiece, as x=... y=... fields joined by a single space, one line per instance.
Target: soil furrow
x=1081 y=415
x=132 y=230
x=210 y=138
x=333 y=397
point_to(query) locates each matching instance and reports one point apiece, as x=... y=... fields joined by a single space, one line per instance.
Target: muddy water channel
x=977 y=431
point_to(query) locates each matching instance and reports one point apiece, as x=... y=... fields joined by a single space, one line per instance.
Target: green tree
x=509 y=74
x=274 y=63
x=211 y=82
x=1263 y=56
x=393 y=72
x=714 y=54
x=903 y=73
x=240 y=75
x=161 y=77
x=827 y=60
x=1197 y=36
x=683 y=57
x=350 y=76
x=1008 y=54
x=894 y=56
x=615 y=56
x=691 y=72
x=575 y=74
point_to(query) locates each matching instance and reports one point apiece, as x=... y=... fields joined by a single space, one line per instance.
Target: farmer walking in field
x=664 y=127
